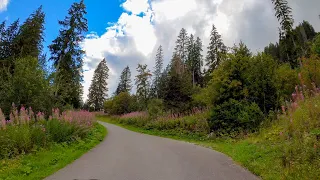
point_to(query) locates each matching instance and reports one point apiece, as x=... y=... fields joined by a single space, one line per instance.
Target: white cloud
x=3 y=5
x=136 y=6
x=146 y=24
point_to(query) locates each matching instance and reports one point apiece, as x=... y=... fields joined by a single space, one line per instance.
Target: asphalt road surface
x=127 y=155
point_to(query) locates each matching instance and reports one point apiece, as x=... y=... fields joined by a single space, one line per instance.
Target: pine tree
x=157 y=72
x=30 y=37
x=143 y=84
x=67 y=56
x=216 y=50
x=181 y=48
x=125 y=81
x=98 y=91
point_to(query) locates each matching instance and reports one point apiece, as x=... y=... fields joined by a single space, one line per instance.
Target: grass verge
x=44 y=162
x=259 y=157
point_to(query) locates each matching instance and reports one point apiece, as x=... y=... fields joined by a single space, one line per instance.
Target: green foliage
x=27 y=86
x=316 y=45
x=284 y=15
x=30 y=87
x=29 y=40
x=235 y=116
x=194 y=62
x=143 y=85
x=121 y=104
x=181 y=47
x=195 y=123
x=98 y=90
x=178 y=90
x=67 y=56
x=44 y=162
x=310 y=72
x=155 y=108
x=216 y=51
x=24 y=134
x=285 y=81
x=125 y=81
x=156 y=86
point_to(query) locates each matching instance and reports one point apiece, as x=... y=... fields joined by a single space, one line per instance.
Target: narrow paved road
x=126 y=155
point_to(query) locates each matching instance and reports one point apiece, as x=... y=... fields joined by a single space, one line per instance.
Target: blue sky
x=100 y=12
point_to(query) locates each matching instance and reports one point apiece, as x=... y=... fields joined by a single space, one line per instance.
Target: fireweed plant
x=193 y=122
x=26 y=131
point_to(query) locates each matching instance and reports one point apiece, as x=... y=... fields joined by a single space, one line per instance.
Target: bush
x=301 y=139
x=235 y=116
x=26 y=131
x=121 y=104
x=310 y=71
x=155 y=108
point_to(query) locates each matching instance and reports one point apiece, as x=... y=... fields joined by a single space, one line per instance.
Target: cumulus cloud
x=146 y=24
x=3 y=5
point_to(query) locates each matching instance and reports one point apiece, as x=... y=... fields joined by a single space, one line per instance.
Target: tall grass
x=193 y=122
x=26 y=131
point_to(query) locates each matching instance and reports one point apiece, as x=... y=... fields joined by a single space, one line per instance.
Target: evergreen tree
x=181 y=48
x=68 y=56
x=163 y=82
x=273 y=50
x=30 y=37
x=216 y=50
x=177 y=95
x=98 y=91
x=194 y=62
x=143 y=84
x=157 y=72
x=284 y=15
x=125 y=81
x=241 y=50
x=7 y=42
x=288 y=47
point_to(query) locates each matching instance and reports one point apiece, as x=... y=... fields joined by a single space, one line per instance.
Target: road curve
x=127 y=155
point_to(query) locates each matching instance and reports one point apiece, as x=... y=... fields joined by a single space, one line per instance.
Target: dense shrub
x=26 y=131
x=310 y=71
x=234 y=116
x=155 y=108
x=121 y=104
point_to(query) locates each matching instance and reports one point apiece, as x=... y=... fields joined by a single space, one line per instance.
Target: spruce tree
x=143 y=84
x=194 y=62
x=181 y=48
x=67 y=56
x=7 y=42
x=98 y=91
x=30 y=37
x=125 y=81
x=284 y=15
x=157 y=72
x=216 y=50
x=178 y=90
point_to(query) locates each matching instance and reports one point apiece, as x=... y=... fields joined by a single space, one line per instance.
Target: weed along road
x=127 y=155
